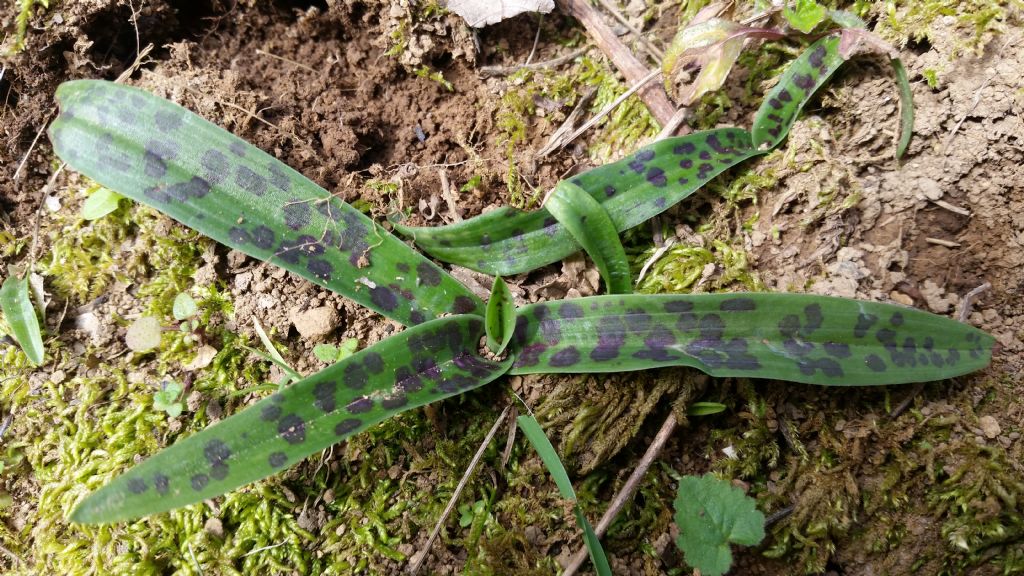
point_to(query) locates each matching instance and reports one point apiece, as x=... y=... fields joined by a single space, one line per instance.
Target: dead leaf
x=480 y=13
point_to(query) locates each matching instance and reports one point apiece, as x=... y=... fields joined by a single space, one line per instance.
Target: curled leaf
x=501 y=317
x=590 y=226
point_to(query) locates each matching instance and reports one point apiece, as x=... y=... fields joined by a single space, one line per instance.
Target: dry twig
x=419 y=557
x=632 y=69
x=628 y=489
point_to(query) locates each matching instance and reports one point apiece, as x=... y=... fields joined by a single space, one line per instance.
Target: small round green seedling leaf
x=796 y=337
x=712 y=514
x=184 y=307
x=158 y=153
x=16 y=304
x=143 y=334
x=798 y=83
x=633 y=190
x=426 y=363
x=166 y=399
x=325 y=352
x=100 y=203
x=590 y=226
x=501 y=317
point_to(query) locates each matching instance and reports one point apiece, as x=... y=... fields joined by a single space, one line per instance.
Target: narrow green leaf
x=159 y=153
x=420 y=365
x=16 y=304
x=273 y=355
x=632 y=190
x=501 y=317
x=100 y=203
x=705 y=408
x=798 y=83
x=590 y=226
x=535 y=434
x=795 y=337
x=906 y=107
x=712 y=514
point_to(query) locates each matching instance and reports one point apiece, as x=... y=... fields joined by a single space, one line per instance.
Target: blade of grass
x=533 y=432
x=906 y=107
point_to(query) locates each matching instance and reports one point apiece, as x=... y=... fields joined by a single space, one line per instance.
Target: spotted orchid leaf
x=802 y=78
x=589 y=224
x=632 y=190
x=163 y=155
x=501 y=317
x=16 y=304
x=425 y=363
x=795 y=337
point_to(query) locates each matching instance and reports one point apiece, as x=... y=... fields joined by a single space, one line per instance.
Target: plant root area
x=385 y=105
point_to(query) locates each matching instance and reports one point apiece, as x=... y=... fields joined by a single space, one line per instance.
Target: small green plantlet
x=100 y=203
x=469 y=512
x=155 y=152
x=330 y=353
x=711 y=515
x=16 y=304
x=705 y=408
x=166 y=399
x=805 y=15
x=184 y=307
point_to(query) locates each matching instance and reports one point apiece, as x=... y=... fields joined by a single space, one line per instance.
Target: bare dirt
x=311 y=83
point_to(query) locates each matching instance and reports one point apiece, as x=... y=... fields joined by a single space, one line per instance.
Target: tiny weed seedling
x=156 y=152
x=167 y=399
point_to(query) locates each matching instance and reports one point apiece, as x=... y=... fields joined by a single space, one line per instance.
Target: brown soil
x=310 y=83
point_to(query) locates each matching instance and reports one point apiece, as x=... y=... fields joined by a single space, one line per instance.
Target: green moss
x=975 y=22
x=26 y=9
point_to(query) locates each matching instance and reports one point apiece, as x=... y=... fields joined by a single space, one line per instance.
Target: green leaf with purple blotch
x=589 y=224
x=796 y=337
x=632 y=190
x=801 y=79
x=422 y=364
x=163 y=155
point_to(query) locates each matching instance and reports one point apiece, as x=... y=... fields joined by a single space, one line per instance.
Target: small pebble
x=989 y=427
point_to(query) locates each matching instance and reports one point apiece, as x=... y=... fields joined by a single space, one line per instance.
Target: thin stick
x=941 y=242
x=607 y=109
x=488 y=71
x=672 y=126
x=628 y=489
x=647 y=44
x=283 y=59
x=536 y=39
x=39 y=217
x=632 y=69
x=420 y=556
x=33 y=145
x=977 y=100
